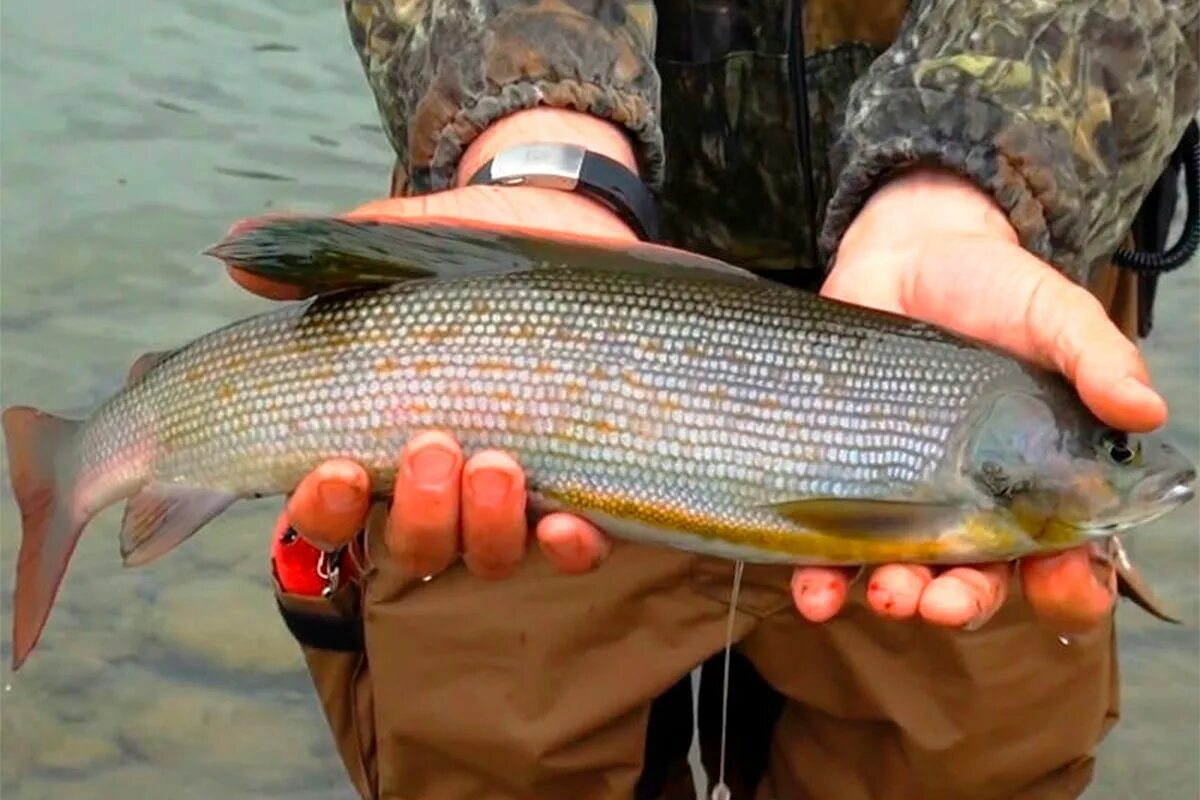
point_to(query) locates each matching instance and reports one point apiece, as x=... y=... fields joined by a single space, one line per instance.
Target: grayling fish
x=668 y=398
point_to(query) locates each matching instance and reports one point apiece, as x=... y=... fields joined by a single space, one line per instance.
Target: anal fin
x=161 y=516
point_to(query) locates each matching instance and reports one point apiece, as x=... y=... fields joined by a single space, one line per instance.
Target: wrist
x=941 y=199
x=534 y=205
x=920 y=204
x=547 y=125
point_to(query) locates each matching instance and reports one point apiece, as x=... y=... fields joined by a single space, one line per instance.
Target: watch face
x=545 y=164
x=572 y=168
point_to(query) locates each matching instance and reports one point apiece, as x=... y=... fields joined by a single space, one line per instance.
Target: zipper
x=798 y=84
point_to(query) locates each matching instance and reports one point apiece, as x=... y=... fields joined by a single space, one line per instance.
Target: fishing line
x=720 y=790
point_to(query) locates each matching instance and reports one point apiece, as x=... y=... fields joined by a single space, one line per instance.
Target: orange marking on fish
x=523 y=331
x=235 y=361
x=646 y=427
x=433 y=335
x=194 y=375
x=632 y=378
x=322 y=372
x=604 y=426
x=385 y=365
x=544 y=368
x=226 y=391
x=572 y=336
x=425 y=366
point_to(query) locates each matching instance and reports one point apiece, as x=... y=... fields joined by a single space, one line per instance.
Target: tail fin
x=50 y=527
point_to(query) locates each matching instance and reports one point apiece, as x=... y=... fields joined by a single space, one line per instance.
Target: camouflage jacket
x=1065 y=112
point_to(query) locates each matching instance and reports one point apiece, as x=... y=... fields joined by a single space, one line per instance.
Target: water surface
x=134 y=133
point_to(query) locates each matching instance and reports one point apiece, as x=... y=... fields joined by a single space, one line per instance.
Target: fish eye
x=1119 y=448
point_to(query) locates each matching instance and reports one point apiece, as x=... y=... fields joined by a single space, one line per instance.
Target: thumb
x=1070 y=327
x=997 y=292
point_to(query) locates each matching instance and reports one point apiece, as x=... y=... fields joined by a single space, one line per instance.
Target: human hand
x=931 y=246
x=445 y=504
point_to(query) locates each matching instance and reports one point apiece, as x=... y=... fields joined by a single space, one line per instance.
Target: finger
x=1068 y=590
x=1070 y=327
x=572 y=545
x=263 y=287
x=819 y=592
x=965 y=597
x=895 y=589
x=256 y=284
x=1044 y=317
x=570 y=217
x=330 y=504
x=494 y=530
x=422 y=531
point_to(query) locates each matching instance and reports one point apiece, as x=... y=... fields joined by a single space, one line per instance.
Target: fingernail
x=976 y=622
x=815 y=597
x=432 y=465
x=1137 y=393
x=490 y=486
x=563 y=546
x=338 y=496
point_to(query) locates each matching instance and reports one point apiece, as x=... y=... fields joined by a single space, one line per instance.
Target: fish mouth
x=1166 y=491
x=1150 y=498
x=1177 y=495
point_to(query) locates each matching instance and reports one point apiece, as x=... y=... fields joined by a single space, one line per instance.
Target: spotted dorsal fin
x=319 y=254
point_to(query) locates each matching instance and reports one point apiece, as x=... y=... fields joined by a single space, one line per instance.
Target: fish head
x=1061 y=471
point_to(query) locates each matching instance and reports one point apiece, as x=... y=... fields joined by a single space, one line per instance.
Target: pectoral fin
x=326 y=253
x=160 y=517
x=865 y=518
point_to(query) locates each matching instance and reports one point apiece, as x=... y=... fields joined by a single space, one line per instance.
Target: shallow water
x=134 y=133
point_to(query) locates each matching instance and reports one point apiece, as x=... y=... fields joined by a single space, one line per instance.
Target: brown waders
x=545 y=686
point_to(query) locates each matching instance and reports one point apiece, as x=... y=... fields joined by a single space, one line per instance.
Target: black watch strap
x=576 y=169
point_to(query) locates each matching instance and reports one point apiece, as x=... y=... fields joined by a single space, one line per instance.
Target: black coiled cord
x=1149 y=263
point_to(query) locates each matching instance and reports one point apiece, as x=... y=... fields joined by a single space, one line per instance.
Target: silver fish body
x=731 y=417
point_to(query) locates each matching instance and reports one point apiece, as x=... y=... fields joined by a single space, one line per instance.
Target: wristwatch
x=573 y=168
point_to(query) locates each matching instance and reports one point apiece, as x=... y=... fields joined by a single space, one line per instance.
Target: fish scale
x=668 y=398
x=607 y=384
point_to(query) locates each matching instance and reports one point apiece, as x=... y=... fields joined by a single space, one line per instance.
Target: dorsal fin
x=325 y=253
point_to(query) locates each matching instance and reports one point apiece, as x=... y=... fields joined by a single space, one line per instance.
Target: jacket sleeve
x=1064 y=112
x=441 y=72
